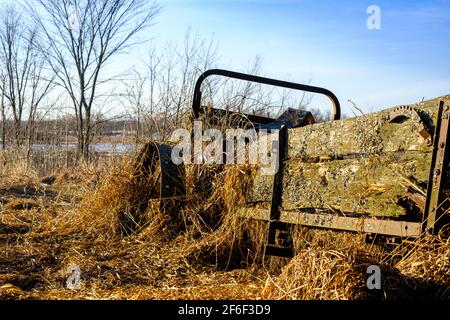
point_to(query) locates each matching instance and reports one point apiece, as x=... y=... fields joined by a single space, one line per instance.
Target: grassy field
x=89 y=218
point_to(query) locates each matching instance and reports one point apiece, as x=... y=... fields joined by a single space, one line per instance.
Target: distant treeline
x=55 y=82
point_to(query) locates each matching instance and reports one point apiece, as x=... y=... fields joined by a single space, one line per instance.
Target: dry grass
x=108 y=220
x=115 y=206
x=318 y=274
x=417 y=270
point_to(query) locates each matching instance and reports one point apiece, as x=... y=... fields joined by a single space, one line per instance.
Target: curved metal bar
x=336 y=115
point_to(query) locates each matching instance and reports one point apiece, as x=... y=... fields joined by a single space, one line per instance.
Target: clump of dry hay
x=126 y=201
x=318 y=274
x=231 y=241
x=203 y=222
x=327 y=265
x=23 y=204
x=83 y=175
x=14 y=164
x=428 y=261
x=205 y=226
x=117 y=206
x=411 y=271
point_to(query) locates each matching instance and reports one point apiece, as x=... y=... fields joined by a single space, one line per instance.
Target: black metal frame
x=196 y=104
x=273 y=247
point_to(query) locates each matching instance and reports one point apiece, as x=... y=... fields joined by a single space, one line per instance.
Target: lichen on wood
x=370 y=134
x=359 y=165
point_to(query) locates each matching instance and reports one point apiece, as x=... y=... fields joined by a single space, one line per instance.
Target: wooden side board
x=368 y=134
x=362 y=165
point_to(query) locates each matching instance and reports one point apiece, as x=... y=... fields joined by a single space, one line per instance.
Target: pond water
x=109 y=148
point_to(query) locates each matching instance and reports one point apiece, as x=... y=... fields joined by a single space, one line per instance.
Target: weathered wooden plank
x=370 y=185
x=363 y=164
x=368 y=134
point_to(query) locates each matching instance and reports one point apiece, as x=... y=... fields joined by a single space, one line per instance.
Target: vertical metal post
x=437 y=202
x=275 y=225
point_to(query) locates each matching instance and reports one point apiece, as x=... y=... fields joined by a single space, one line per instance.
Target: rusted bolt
x=446 y=113
x=437 y=172
x=442 y=145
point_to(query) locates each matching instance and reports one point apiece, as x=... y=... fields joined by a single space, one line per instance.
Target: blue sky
x=327 y=42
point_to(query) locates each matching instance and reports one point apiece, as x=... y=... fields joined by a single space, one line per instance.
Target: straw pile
x=203 y=224
x=117 y=206
x=420 y=270
x=206 y=230
x=130 y=245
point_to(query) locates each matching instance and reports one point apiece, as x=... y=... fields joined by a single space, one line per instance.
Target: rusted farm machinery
x=384 y=174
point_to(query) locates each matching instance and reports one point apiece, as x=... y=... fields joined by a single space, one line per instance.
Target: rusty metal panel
x=402 y=229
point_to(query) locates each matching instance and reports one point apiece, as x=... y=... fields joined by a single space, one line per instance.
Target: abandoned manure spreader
x=384 y=174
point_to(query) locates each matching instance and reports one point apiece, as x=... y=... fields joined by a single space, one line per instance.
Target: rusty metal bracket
x=388 y=227
x=408 y=112
x=437 y=202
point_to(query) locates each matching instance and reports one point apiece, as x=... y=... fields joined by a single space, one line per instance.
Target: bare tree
x=240 y=96
x=153 y=68
x=15 y=57
x=187 y=60
x=2 y=108
x=167 y=85
x=134 y=95
x=79 y=38
x=25 y=81
x=171 y=78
